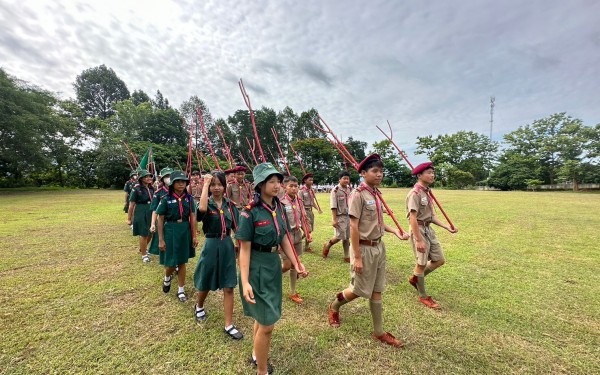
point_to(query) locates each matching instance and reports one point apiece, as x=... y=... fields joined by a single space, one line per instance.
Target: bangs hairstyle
x=343 y=174
x=287 y=179
x=371 y=164
x=259 y=186
x=172 y=187
x=221 y=177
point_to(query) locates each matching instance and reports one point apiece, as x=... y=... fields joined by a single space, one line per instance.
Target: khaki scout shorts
x=310 y=219
x=297 y=240
x=342 y=231
x=433 y=249
x=372 y=278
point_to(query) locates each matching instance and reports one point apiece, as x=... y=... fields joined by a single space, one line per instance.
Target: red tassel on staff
x=346 y=155
x=411 y=167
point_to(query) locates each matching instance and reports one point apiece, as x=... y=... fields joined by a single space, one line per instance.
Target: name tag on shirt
x=370 y=203
x=263 y=223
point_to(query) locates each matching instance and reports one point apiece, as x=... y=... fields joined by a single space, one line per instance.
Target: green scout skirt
x=153 y=248
x=265 y=279
x=178 y=238
x=142 y=216
x=216 y=267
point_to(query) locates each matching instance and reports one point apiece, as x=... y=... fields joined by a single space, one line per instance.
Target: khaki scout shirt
x=196 y=190
x=339 y=200
x=418 y=200
x=239 y=194
x=363 y=206
x=306 y=195
x=289 y=207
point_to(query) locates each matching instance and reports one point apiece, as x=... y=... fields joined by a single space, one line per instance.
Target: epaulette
x=335 y=189
x=360 y=188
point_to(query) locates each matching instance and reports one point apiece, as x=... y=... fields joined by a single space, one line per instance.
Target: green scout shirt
x=141 y=195
x=169 y=207
x=257 y=225
x=211 y=219
x=160 y=193
x=128 y=186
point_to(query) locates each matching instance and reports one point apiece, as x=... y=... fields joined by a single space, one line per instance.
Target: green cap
x=179 y=175
x=262 y=171
x=143 y=173
x=165 y=171
x=133 y=173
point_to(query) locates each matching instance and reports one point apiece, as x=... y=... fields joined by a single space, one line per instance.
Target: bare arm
x=204 y=198
x=130 y=212
x=161 y=237
x=286 y=246
x=414 y=227
x=355 y=242
x=244 y=261
x=439 y=223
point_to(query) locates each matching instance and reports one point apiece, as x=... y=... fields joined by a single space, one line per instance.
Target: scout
x=341 y=220
x=139 y=209
x=195 y=187
x=239 y=190
x=426 y=247
x=127 y=188
x=229 y=177
x=163 y=189
x=216 y=267
x=294 y=211
x=368 y=255
x=309 y=200
x=262 y=229
x=176 y=232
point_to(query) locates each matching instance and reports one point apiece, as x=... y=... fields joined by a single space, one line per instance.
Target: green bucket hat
x=179 y=176
x=262 y=171
x=143 y=173
x=165 y=171
x=132 y=173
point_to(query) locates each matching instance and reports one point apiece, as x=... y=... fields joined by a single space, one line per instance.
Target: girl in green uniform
x=139 y=210
x=262 y=229
x=216 y=267
x=176 y=231
x=164 y=180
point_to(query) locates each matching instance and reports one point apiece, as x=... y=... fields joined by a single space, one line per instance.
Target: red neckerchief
x=426 y=190
x=223 y=224
x=180 y=205
x=294 y=202
x=274 y=213
x=148 y=190
x=374 y=193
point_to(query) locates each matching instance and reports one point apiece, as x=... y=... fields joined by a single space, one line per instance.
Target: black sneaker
x=270 y=368
x=167 y=285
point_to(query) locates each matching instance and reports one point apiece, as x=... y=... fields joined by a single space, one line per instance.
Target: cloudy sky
x=429 y=67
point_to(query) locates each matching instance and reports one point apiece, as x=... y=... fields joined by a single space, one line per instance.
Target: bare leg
x=227 y=305
x=262 y=344
x=181 y=275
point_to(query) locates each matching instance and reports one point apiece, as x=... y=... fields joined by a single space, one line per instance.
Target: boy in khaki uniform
x=196 y=187
x=341 y=220
x=293 y=211
x=426 y=247
x=309 y=200
x=368 y=255
x=239 y=191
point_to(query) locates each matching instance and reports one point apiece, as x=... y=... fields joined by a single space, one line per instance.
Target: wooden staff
x=346 y=154
x=298 y=158
x=132 y=155
x=199 y=111
x=227 y=153
x=280 y=152
x=247 y=101
x=252 y=148
x=389 y=137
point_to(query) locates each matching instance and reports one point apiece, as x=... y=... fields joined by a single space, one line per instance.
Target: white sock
x=167 y=278
x=180 y=290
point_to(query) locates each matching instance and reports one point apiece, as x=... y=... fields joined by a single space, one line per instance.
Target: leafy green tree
x=139 y=96
x=465 y=150
x=98 y=89
x=396 y=173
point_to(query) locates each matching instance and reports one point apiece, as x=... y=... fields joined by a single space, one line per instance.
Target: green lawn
x=519 y=293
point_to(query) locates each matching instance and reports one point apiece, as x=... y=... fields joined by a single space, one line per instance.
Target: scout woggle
x=411 y=167
x=347 y=156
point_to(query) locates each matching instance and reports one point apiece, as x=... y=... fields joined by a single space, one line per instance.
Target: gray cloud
x=428 y=67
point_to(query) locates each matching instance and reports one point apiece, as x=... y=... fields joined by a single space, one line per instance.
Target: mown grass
x=520 y=294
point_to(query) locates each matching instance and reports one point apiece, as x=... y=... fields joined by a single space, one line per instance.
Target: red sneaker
x=326 y=250
x=413 y=281
x=334 y=317
x=388 y=338
x=429 y=302
x=296 y=298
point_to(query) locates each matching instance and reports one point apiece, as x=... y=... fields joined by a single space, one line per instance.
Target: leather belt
x=179 y=221
x=217 y=235
x=423 y=223
x=264 y=249
x=369 y=242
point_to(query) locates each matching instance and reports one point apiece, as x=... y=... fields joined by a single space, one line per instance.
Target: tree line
x=80 y=142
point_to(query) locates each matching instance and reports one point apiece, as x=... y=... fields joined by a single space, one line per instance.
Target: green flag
x=146 y=159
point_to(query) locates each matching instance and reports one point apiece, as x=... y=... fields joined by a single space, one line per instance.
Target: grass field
x=519 y=293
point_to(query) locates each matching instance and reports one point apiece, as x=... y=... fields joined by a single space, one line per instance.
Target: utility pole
x=492 y=105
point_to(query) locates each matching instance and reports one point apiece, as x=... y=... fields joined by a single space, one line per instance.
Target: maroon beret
x=307 y=176
x=239 y=168
x=421 y=167
x=229 y=171
x=368 y=159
